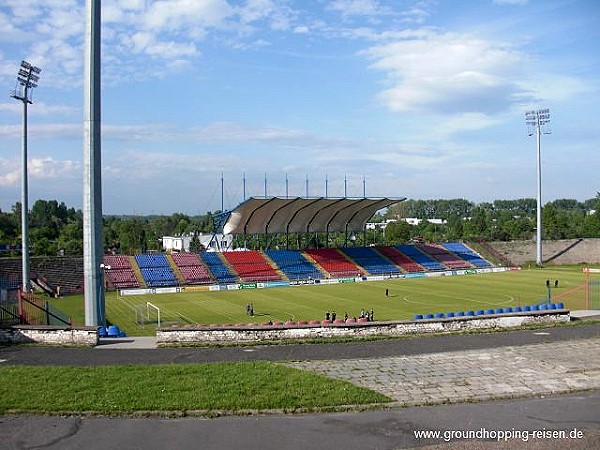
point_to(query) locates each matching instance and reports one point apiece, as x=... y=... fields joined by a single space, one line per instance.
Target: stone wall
x=264 y=333
x=49 y=335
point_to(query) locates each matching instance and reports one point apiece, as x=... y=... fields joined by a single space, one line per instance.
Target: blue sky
x=424 y=99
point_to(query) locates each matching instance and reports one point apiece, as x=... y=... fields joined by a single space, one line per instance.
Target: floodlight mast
x=27 y=79
x=93 y=245
x=537 y=121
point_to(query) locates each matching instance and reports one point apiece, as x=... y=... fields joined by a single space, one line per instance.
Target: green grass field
x=174 y=388
x=407 y=297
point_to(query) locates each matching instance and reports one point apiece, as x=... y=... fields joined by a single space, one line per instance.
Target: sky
x=422 y=99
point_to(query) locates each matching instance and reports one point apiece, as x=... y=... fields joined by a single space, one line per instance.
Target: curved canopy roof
x=302 y=215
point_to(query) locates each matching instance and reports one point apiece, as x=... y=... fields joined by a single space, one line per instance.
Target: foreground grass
x=174 y=389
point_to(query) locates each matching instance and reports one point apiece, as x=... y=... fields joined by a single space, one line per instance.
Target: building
x=210 y=241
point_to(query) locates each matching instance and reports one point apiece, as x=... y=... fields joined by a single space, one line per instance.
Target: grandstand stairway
x=138 y=272
x=176 y=271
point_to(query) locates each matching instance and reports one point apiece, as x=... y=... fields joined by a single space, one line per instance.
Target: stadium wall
x=49 y=335
x=252 y=334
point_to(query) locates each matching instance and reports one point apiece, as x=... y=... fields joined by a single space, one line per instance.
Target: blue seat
x=450 y=314
x=517 y=309
x=102 y=332
x=560 y=305
x=429 y=316
x=113 y=331
x=489 y=311
x=506 y=310
x=439 y=315
x=460 y=314
x=419 y=317
x=470 y=313
x=526 y=308
x=479 y=312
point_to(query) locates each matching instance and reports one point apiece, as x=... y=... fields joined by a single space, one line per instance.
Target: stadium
x=316 y=286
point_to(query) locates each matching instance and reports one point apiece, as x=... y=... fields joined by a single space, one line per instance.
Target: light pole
x=536 y=123
x=93 y=243
x=27 y=79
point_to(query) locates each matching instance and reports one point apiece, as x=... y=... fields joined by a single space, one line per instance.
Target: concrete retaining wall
x=49 y=335
x=194 y=335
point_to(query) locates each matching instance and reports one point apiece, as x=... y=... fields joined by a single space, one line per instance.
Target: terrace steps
x=137 y=271
x=178 y=275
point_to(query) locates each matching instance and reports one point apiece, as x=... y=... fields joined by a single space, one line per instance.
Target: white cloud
x=41 y=108
x=49 y=168
x=356 y=7
x=448 y=73
x=185 y=14
x=38 y=169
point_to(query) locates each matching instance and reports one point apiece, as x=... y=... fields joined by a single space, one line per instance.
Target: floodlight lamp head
x=27 y=78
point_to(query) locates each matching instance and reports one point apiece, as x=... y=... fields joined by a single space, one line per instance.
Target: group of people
x=364 y=314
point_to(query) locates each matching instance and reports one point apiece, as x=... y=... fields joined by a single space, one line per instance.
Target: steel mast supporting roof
x=303 y=215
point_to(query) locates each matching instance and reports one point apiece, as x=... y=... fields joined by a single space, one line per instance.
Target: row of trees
x=502 y=220
x=58 y=229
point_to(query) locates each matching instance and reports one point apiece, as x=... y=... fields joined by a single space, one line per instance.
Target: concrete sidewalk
x=127 y=343
x=473 y=375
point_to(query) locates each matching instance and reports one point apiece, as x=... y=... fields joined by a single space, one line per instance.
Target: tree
x=195 y=244
x=398 y=232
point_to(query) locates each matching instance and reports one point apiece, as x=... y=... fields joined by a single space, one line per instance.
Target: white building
x=212 y=242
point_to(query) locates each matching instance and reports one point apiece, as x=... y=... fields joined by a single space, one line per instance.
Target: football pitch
x=406 y=298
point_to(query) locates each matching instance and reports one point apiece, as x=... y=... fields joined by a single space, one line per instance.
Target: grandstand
x=221 y=273
x=467 y=254
x=294 y=265
x=371 y=261
x=265 y=216
x=443 y=255
x=400 y=259
x=417 y=255
x=334 y=262
x=251 y=266
x=191 y=268
x=156 y=270
x=119 y=272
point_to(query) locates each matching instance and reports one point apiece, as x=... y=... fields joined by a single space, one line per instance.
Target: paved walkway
x=474 y=375
x=129 y=343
